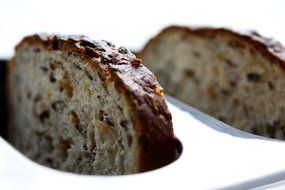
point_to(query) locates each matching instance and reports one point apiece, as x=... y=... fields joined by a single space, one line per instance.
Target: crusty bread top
x=151 y=118
x=268 y=47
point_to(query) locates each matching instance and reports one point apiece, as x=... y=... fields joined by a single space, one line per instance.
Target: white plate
x=214 y=156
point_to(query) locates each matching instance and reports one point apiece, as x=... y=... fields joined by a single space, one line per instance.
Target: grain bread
x=87 y=107
x=237 y=78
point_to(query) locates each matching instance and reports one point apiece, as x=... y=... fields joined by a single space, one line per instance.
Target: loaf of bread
x=87 y=107
x=237 y=78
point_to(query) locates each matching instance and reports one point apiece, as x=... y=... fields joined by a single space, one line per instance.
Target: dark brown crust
x=150 y=113
x=267 y=47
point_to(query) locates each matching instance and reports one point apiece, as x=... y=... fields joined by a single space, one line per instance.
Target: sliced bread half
x=237 y=78
x=87 y=107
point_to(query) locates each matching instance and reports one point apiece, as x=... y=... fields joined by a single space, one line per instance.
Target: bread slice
x=237 y=78
x=87 y=107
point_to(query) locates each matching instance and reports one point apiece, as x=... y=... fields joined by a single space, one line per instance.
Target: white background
x=132 y=23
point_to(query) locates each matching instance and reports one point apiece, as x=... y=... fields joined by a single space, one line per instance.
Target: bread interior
x=222 y=76
x=67 y=117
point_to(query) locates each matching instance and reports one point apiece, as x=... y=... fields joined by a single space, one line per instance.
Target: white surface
x=131 y=23
x=210 y=160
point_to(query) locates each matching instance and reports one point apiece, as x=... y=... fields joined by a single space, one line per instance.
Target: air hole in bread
x=51 y=77
x=44 y=115
x=58 y=105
